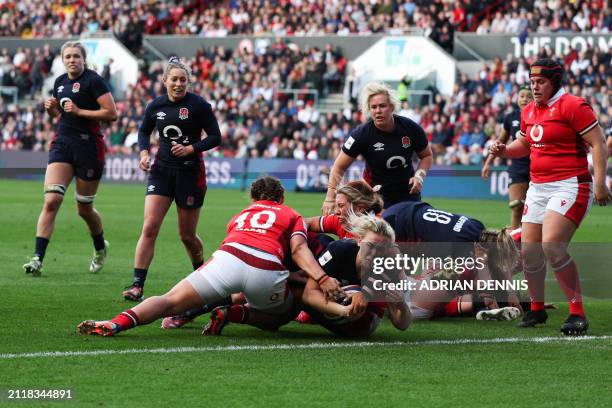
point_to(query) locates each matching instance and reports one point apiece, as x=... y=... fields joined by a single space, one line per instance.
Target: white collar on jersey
x=556 y=97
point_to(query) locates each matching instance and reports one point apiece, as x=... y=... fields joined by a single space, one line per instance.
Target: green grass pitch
x=448 y=362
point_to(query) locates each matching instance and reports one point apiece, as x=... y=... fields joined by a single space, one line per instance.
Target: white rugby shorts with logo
x=572 y=198
x=236 y=268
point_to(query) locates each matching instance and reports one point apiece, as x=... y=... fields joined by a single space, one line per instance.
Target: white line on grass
x=308 y=346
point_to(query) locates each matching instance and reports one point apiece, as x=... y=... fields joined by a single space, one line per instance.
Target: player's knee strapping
x=516 y=203
x=56 y=189
x=562 y=263
x=535 y=268
x=84 y=199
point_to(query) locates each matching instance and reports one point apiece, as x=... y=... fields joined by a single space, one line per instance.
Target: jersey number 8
x=441 y=217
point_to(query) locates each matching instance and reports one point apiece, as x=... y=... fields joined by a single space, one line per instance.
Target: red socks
x=238 y=314
x=126 y=320
x=451 y=309
x=566 y=273
x=535 y=285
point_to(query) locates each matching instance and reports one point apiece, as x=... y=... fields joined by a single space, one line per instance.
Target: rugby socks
x=126 y=320
x=566 y=273
x=535 y=285
x=98 y=241
x=140 y=276
x=197 y=264
x=40 y=247
x=238 y=314
x=451 y=309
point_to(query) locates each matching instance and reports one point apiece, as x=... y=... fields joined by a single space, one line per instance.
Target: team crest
x=406 y=142
x=183 y=113
x=190 y=201
x=75 y=87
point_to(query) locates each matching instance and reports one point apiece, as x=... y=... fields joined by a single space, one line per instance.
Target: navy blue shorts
x=186 y=186
x=85 y=153
x=518 y=174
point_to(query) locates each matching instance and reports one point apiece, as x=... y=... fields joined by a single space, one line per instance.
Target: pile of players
x=249 y=278
x=274 y=267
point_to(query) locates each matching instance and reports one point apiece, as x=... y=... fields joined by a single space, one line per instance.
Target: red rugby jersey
x=267 y=226
x=331 y=224
x=554 y=131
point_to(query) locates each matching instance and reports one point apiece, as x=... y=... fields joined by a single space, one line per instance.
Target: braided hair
x=267 y=188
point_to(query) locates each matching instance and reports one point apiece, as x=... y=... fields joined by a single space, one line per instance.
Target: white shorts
x=417 y=313
x=236 y=268
x=571 y=198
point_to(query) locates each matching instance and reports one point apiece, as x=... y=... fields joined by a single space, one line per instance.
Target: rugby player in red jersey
x=557 y=130
x=250 y=260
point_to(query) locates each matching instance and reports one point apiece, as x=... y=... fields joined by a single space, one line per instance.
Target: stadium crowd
x=258 y=121
x=130 y=19
x=548 y=16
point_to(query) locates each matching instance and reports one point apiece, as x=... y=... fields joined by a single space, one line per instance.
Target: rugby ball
x=344 y=300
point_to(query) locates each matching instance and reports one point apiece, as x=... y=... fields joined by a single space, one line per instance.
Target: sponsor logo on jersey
x=60 y=89
x=379 y=146
x=75 y=87
x=160 y=115
x=406 y=142
x=63 y=101
x=349 y=142
x=183 y=113
x=394 y=162
x=325 y=258
x=174 y=133
x=536 y=132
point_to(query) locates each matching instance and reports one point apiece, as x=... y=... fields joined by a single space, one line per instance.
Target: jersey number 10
x=256 y=219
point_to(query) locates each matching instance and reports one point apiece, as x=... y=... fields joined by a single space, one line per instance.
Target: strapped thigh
x=55 y=188
x=84 y=199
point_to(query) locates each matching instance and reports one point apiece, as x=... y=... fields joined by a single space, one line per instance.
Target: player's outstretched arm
x=312 y=224
x=342 y=162
x=314 y=297
x=306 y=261
x=399 y=314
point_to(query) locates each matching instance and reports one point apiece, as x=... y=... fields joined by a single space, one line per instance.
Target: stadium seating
x=259 y=121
